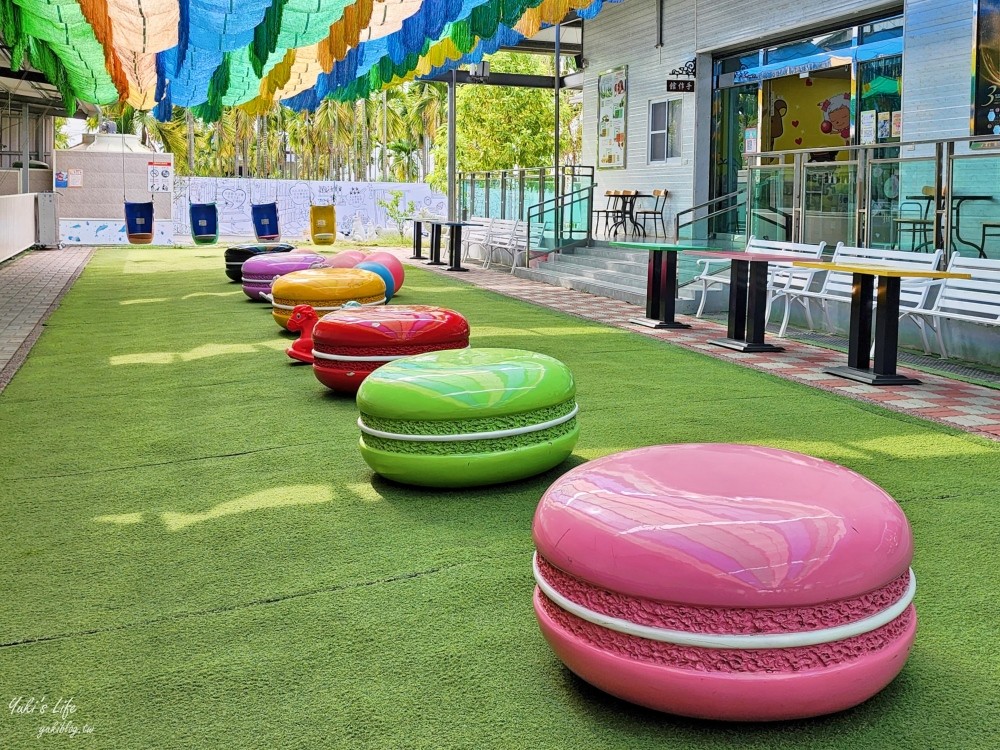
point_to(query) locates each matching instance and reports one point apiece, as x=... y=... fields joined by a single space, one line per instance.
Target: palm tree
x=170 y=137
x=404 y=160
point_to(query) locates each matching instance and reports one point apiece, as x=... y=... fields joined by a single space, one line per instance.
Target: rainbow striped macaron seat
x=731 y=582
x=324 y=289
x=467 y=417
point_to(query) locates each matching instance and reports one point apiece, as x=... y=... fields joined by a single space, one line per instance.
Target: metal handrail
x=944 y=153
x=511 y=184
x=559 y=204
x=706 y=204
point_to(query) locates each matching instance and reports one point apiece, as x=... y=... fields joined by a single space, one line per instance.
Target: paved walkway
x=32 y=284
x=963 y=405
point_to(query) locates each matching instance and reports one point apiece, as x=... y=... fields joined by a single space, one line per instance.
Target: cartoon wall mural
x=812 y=112
x=837 y=116
x=358 y=212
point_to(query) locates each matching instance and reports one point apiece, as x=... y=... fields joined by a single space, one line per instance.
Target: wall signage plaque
x=986 y=76
x=612 y=110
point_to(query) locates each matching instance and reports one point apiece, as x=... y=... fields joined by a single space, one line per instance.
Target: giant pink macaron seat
x=729 y=582
x=260 y=271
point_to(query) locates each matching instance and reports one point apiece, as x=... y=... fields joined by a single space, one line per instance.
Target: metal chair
x=655 y=213
x=913 y=221
x=609 y=212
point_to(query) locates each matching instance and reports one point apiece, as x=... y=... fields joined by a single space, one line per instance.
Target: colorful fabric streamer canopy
x=207 y=54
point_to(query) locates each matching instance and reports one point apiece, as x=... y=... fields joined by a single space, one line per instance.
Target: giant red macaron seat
x=324 y=289
x=467 y=417
x=237 y=255
x=259 y=272
x=349 y=343
x=729 y=582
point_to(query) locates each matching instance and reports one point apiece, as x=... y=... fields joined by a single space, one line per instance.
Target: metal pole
x=452 y=161
x=25 y=181
x=557 y=174
x=385 y=140
x=558 y=82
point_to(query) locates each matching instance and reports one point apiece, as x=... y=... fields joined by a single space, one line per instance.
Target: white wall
x=17 y=224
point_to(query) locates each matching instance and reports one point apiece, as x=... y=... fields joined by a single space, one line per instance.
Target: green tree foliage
x=502 y=127
x=498 y=128
x=397 y=213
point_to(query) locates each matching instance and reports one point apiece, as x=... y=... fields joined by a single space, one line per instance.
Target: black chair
x=655 y=213
x=989 y=230
x=609 y=213
x=913 y=221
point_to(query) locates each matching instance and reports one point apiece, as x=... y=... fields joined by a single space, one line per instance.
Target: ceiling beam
x=520 y=80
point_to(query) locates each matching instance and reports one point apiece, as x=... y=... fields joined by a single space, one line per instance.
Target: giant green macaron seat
x=467 y=417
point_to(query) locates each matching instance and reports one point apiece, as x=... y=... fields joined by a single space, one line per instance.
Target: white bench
x=502 y=241
x=837 y=285
x=716 y=272
x=975 y=300
x=477 y=236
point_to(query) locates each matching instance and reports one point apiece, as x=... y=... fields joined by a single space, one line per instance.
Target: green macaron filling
x=462 y=447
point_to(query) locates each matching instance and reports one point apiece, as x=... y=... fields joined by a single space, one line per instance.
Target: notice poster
x=612 y=105
x=884 y=126
x=61 y=179
x=75 y=178
x=161 y=176
x=866 y=127
x=986 y=88
x=750 y=141
x=897 y=124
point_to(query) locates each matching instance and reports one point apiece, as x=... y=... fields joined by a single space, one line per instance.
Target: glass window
x=664 y=130
x=838 y=40
x=878 y=31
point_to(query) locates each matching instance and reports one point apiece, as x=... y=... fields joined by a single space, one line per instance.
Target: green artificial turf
x=195 y=553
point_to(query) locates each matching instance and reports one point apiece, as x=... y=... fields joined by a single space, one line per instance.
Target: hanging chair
x=139 y=222
x=204 y=223
x=265 y=221
x=323 y=224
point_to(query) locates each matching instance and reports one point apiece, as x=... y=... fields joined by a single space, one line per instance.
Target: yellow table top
x=876 y=270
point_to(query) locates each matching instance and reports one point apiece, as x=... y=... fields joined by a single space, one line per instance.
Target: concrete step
x=597 y=274
x=581 y=263
x=606 y=252
x=625 y=292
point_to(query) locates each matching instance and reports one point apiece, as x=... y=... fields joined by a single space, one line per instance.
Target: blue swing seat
x=139 y=222
x=265 y=221
x=204 y=223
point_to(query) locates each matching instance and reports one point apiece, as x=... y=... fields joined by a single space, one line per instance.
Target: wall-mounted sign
x=161 y=176
x=682 y=86
x=986 y=89
x=61 y=179
x=75 y=178
x=612 y=109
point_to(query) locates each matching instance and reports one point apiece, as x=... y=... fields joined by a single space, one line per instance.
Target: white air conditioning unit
x=46 y=220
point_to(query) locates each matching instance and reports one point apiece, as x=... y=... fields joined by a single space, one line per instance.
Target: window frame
x=675 y=103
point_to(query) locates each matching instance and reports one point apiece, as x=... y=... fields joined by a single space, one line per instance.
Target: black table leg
x=886 y=333
x=435 y=246
x=747 y=306
x=418 y=242
x=661 y=286
x=455 y=249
